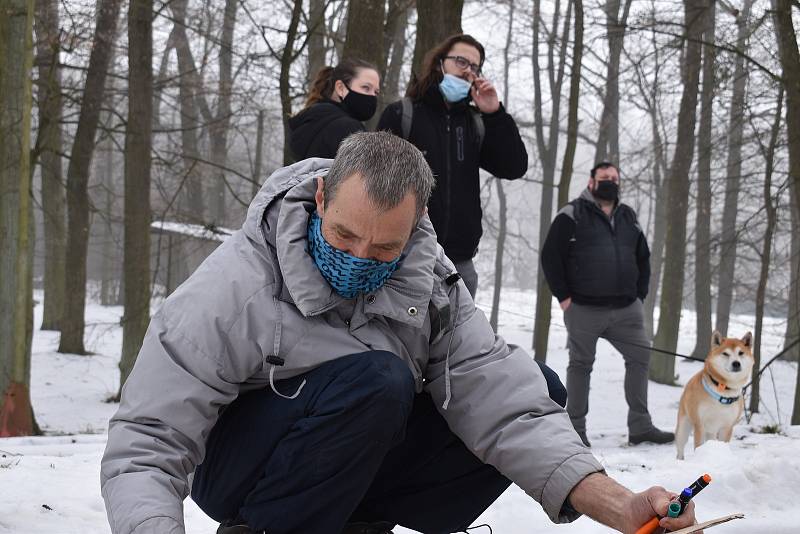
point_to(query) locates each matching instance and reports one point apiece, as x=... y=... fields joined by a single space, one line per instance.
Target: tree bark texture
x=316 y=40
x=394 y=47
x=733 y=176
x=189 y=96
x=395 y=55
x=790 y=63
x=72 y=321
x=218 y=130
x=16 y=241
x=702 y=236
x=138 y=144
x=436 y=21
x=793 y=315
x=608 y=137
x=572 y=108
x=663 y=369
x=257 y=178
x=49 y=146
x=766 y=248
x=362 y=41
x=502 y=213
x=548 y=152
x=659 y=203
x=287 y=58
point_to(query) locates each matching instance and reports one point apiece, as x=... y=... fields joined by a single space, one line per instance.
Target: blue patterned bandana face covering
x=346 y=274
x=453 y=88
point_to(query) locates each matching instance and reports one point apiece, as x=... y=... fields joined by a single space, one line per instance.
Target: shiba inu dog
x=712 y=402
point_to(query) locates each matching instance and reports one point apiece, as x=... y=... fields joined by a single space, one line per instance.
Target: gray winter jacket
x=260 y=294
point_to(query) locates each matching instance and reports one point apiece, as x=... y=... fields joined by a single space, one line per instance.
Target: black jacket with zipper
x=596 y=259
x=447 y=138
x=317 y=131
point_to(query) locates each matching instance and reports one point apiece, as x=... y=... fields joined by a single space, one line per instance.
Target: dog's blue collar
x=716 y=396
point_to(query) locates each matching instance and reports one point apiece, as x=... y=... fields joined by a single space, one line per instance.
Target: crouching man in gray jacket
x=326 y=371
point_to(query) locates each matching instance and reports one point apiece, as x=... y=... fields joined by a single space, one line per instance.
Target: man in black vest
x=597 y=264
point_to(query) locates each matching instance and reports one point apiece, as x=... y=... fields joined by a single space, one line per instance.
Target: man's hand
x=565 y=303
x=605 y=500
x=484 y=95
x=655 y=501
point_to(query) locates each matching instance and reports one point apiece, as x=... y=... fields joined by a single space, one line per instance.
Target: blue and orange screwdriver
x=677 y=507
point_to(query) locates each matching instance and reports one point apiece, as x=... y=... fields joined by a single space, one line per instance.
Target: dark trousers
x=356 y=445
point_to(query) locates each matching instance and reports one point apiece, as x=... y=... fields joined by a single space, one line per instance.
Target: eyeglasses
x=463 y=64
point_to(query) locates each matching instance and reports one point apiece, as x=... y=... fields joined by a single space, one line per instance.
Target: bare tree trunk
x=257 y=178
x=108 y=287
x=663 y=369
x=362 y=41
x=659 y=231
x=48 y=45
x=702 y=236
x=436 y=21
x=793 y=315
x=790 y=63
x=394 y=49
x=72 y=321
x=188 y=88
x=608 y=138
x=548 y=151
x=287 y=58
x=501 y=194
x=766 y=247
x=316 y=41
x=572 y=108
x=218 y=130
x=733 y=175
x=138 y=144
x=660 y=210
x=16 y=62
x=502 y=231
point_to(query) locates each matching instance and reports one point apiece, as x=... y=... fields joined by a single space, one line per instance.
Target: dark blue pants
x=357 y=444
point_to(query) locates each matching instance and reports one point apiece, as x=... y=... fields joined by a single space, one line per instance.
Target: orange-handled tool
x=697 y=486
x=649 y=527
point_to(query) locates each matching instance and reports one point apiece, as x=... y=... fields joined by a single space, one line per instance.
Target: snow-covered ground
x=50 y=484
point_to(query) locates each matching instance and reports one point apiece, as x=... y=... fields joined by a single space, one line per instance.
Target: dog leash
x=652 y=348
x=786 y=348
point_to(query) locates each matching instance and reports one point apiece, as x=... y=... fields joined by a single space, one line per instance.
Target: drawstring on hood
x=274 y=360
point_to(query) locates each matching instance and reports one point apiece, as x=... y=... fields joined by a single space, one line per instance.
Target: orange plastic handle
x=649 y=527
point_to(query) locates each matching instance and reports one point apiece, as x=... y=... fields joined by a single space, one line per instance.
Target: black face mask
x=606 y=190
x=362 y=107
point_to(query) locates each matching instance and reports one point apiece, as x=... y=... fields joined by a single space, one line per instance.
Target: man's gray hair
x=390 y=166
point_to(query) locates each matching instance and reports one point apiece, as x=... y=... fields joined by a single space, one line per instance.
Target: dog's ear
x=716 y=339
x=748 y=340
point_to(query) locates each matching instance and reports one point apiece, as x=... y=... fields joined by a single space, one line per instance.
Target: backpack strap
x=407 y=117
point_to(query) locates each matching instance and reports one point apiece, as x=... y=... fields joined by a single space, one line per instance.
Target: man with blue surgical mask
x=325 y=371
x=453 y=114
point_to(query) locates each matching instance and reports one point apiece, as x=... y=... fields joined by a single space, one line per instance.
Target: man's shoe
x=381 y=527
x=584 y=439
x=234 y=527
x=653 y=435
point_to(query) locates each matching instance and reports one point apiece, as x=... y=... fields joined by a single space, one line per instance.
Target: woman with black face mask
x=340 y=100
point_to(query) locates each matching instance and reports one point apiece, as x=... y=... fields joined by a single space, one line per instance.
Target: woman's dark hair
x=431 y=73
x=323 y=84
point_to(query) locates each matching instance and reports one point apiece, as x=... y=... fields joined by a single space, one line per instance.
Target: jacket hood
x=308 y=124
x=278 y=218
